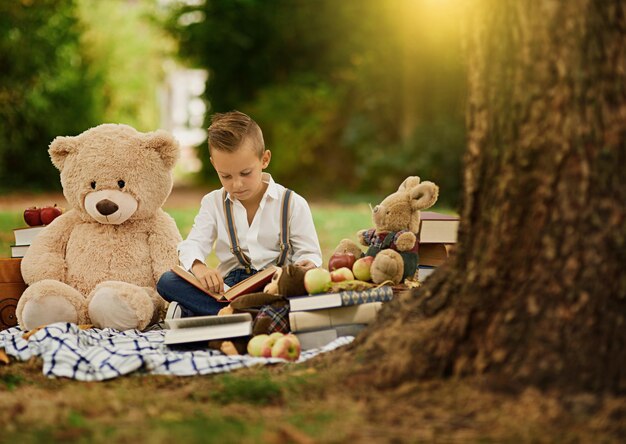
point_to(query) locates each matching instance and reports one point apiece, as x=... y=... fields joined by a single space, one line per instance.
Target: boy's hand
x=209 y=278
x=306 y=264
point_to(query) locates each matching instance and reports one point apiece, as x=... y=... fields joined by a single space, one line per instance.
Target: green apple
x=317 y=280
x=255 y=345
x=362 y=268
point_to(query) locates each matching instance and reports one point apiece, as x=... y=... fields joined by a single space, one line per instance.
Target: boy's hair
x=229 y=130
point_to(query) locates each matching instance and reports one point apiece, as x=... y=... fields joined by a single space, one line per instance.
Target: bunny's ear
x=164 y=143
x=409 y=182
x=423 y=195
x=60 y=148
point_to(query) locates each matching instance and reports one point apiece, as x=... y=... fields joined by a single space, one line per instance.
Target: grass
x=333 y=223
x=286 y=403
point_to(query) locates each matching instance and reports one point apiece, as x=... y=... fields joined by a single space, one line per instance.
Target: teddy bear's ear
x=162 y=142
x=409 y=182
x=60 y=148
x=423 y=195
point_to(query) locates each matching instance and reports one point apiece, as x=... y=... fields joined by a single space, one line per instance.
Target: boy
x=245 y=213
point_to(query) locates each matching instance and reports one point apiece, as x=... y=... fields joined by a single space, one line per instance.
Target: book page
x=204 y=321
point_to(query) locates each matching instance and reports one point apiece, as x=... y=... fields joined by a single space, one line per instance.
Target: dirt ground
x=303 y=403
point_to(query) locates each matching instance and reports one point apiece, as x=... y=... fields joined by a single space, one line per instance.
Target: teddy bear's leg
x=387 y=266
x=124 y=306
x=49 y=301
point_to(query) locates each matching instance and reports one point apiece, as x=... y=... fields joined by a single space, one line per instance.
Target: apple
x=255 y=345
x=266 y=348
x=340 y=260
x=48 y=214
x=261 y=345
x=317 y=280
x=341 y=274
x=287 y=347
x=32 y=216
x=362 y=268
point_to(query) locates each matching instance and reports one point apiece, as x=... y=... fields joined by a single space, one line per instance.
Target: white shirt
x=260 y=240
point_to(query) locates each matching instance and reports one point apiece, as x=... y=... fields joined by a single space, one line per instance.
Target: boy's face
x=240 y=171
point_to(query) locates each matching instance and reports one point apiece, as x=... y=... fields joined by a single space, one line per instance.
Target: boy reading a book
x=253 y=221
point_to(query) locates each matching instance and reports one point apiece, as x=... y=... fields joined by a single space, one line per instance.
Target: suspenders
x=284 y=232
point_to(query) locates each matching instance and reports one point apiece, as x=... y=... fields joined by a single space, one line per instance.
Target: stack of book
x=437 y=236
x=11 y=288
x=319 y=319
x=23 y=238
x=207 y=328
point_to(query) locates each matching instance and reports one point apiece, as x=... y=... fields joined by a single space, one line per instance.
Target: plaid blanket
x=99 y=354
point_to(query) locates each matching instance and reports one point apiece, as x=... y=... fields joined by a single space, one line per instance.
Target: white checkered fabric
x=99 y=354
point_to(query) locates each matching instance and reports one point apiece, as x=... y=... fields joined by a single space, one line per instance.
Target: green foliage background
x=352 y=95
x=68 y=65
x=45 y=89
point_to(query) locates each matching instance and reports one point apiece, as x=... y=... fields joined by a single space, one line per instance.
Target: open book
x=254 y=283
x=207 y=328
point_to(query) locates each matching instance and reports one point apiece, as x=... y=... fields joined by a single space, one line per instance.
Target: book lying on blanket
x=254 y=283
x=320 y=338
x=341 y=299
x=300 y=321
x=207 y=328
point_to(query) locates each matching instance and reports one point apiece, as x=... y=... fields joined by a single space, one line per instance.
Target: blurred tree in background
x=128 y=48
x=68 y=65
x=45 y=90
x=352 y=95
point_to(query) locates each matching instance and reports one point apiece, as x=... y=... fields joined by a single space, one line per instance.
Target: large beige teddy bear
x=393 y=242
x=99 y=262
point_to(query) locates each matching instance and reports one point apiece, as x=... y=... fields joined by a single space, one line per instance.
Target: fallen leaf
x=4 y=358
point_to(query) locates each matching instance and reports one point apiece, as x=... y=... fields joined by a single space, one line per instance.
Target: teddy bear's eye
x=93 y=184
x=121 y=183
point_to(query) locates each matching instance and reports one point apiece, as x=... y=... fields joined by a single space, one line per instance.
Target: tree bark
x=536 y=293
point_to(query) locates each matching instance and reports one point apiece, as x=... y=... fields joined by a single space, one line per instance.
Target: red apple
x=317 y=280
x=266 y=349
x=340 y=260
x=48 y=214
x=287 y=347
x=341 y=274
x=362 y=268
x=32 y=216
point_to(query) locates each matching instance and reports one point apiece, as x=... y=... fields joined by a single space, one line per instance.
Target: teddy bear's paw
x=48 y=310
x=387 y=266
x=108 y=308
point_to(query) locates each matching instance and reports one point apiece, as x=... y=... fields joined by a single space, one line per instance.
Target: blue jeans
x=195 y=302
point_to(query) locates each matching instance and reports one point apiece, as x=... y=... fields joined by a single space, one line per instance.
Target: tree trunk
x=536 y=293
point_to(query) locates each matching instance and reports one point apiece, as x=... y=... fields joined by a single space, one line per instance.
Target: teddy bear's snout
x=107 y=207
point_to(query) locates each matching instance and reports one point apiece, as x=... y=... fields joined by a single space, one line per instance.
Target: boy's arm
x=200 y=240
x=302 y=234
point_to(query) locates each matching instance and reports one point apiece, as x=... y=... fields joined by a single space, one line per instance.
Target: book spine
x=380 y=294
x=332 y=317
